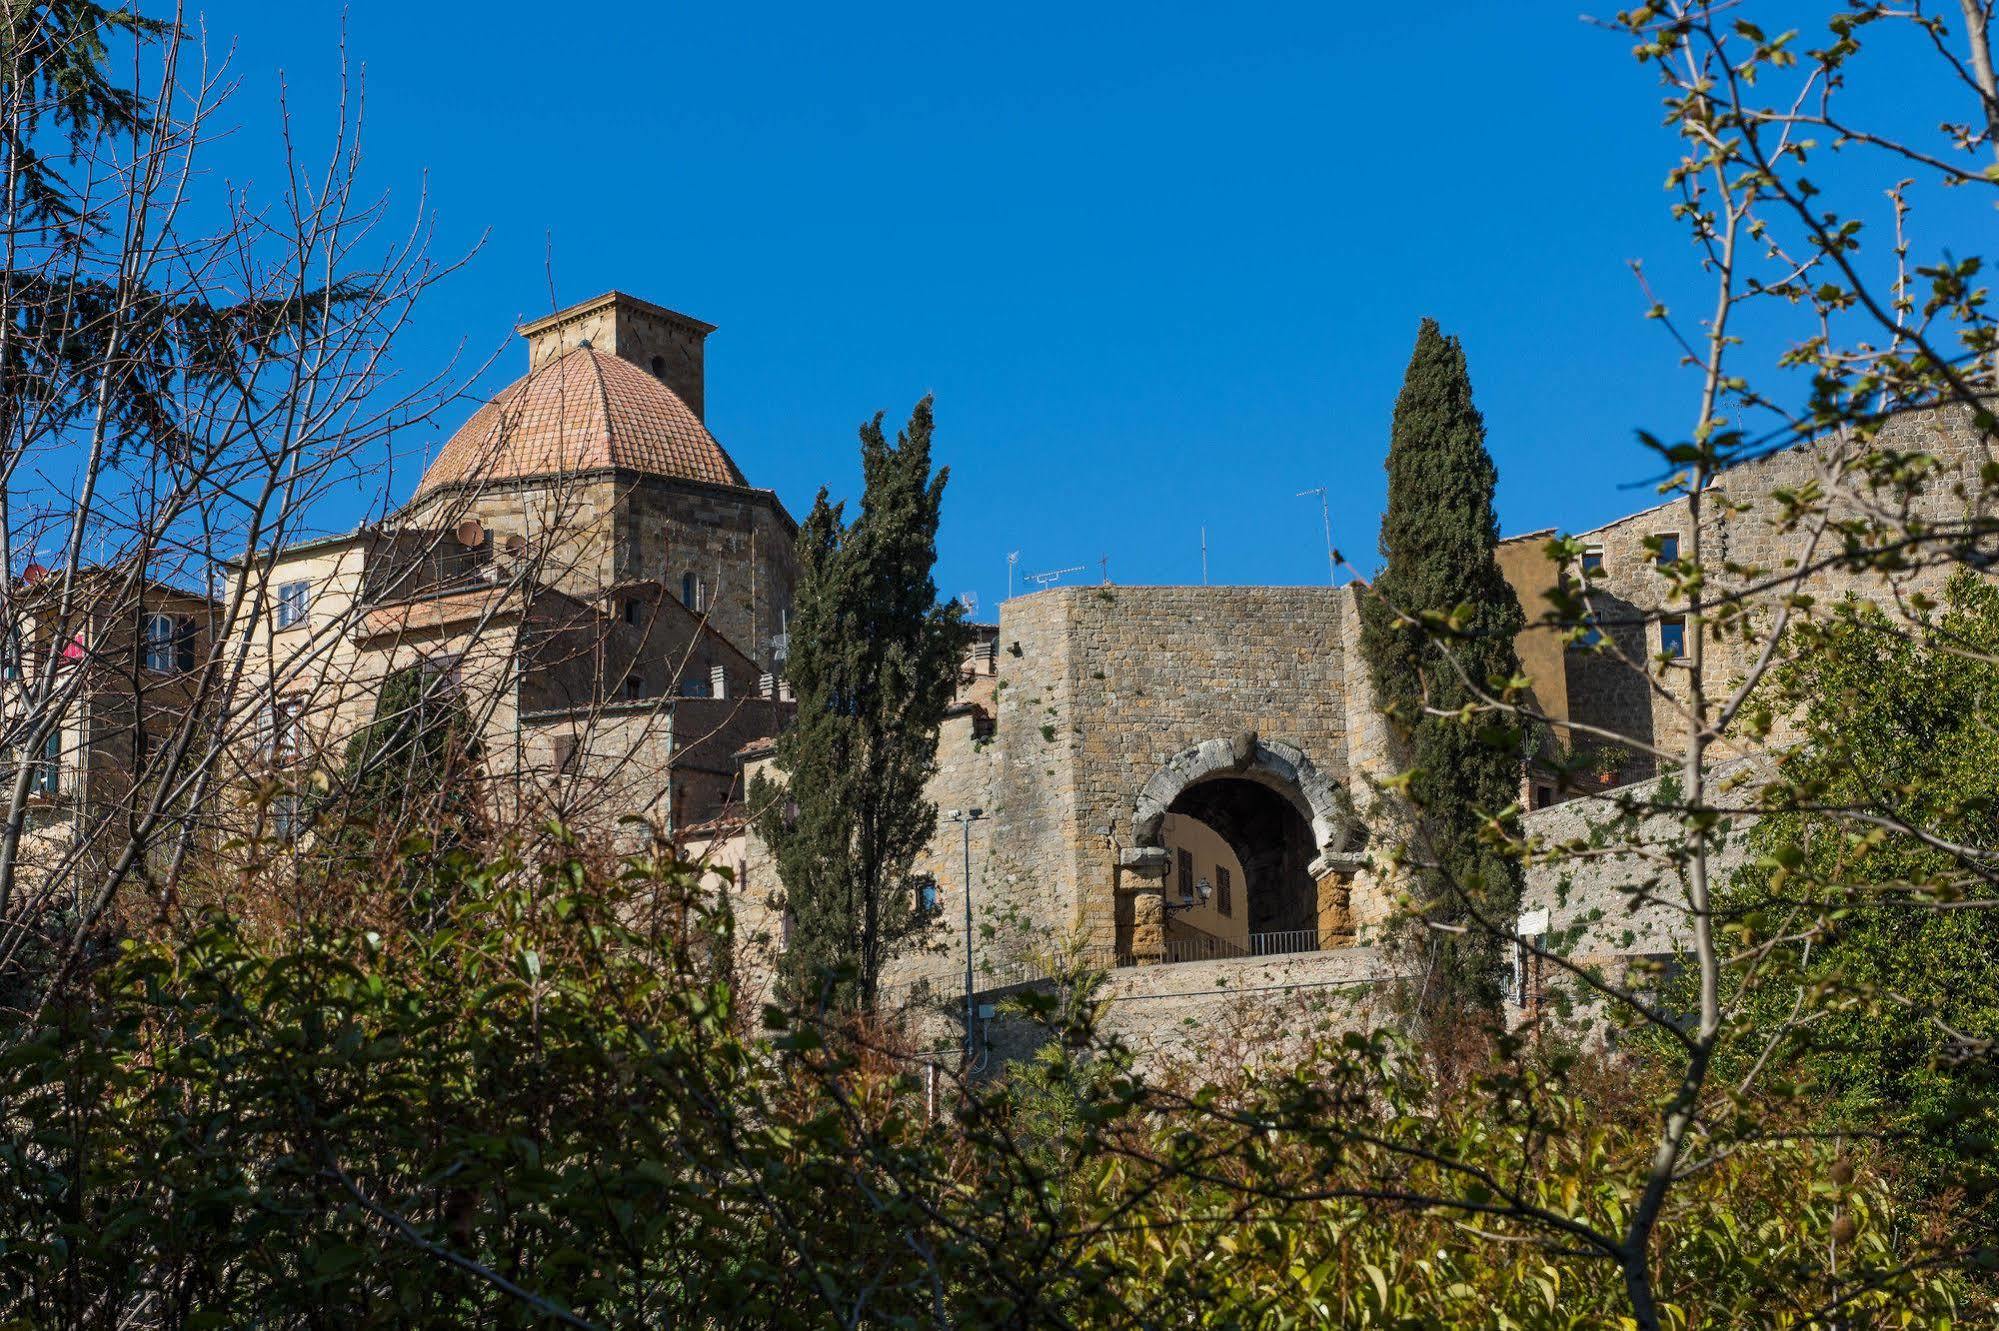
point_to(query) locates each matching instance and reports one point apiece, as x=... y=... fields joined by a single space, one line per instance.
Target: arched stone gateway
x=1293 y=835
x=1283 y=768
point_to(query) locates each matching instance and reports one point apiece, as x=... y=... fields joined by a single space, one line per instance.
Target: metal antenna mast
x=1011 y=561
x=1326 y=517
x=1052 y=576
x=1204 y=556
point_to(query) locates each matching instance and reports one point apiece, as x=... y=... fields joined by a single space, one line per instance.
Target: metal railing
x=1187 y=943
x=1283 y=942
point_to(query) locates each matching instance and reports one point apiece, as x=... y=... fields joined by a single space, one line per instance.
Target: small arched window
x=659 y=367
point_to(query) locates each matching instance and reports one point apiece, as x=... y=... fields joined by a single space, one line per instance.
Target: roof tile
x=586 y=410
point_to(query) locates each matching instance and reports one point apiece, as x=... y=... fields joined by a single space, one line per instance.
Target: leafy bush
x=547 y=1111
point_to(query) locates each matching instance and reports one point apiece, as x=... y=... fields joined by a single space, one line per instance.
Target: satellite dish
x=470 y=534
x=517 y=545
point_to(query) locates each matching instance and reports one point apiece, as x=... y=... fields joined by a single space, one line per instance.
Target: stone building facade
x=1182 y=784
x=582 y=565
x=1102 y=732
x=1099 y=718
x=99 y=682
x=1759 y=553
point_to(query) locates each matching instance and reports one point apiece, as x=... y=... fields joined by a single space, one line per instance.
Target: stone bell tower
x=665 y=344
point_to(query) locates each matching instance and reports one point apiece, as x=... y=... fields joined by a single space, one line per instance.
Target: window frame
x=171 y=652
x=283 y=740
x=287 y=822
x=1678 y=624
x=46 y=781
x=294 y=603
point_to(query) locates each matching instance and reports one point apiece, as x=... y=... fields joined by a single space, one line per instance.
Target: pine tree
x=873 y=661
x=1438 y=537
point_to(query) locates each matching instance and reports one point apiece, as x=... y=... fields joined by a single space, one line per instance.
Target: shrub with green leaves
x=1865 y=938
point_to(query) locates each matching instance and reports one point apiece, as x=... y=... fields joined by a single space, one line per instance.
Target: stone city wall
x=1610 y=889
x=1243 y=1009
x=1098 y=689
x=1101 y=688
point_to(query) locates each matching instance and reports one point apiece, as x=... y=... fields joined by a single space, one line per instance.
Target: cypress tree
x=873 y=663
x=1438 y=537
x=411 y=771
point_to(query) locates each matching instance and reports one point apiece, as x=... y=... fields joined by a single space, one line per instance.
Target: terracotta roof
x=585 y=410
x=431 y=612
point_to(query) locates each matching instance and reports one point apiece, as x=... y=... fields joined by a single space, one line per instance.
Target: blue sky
x=1161 y=265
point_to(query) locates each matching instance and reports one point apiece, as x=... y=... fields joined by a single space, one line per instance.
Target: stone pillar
x=1142 y=878
x=1334 y=875
x=1335 y=914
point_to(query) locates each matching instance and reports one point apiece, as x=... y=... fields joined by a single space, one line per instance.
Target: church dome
x=583 y=410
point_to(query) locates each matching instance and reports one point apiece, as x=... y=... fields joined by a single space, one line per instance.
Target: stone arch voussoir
x=1282 y=767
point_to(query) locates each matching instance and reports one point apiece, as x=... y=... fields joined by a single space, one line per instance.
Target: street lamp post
x=965 y=818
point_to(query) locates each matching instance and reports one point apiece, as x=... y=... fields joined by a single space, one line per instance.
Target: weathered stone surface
x=1111 y=701
x=1742 y=525
x=1143 y=861
x=1614 y=889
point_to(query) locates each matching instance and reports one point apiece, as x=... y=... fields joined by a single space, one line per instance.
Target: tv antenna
x=1052 y=576
x=1104 y=562
x=1326 y=518
x=1012 y=561
x=1204 y=556
x=970 y=600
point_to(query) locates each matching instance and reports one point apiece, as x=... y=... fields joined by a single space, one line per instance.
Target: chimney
x=666 y=345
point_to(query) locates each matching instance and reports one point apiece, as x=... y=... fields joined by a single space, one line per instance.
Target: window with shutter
x=48 y=772
x=161 y=636
x=283 y=729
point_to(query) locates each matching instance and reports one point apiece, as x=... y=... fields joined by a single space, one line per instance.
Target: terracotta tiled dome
x=583 y=411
